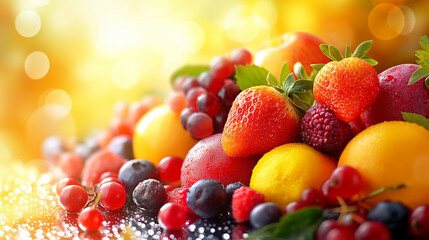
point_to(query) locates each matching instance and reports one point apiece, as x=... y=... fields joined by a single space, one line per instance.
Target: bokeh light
x=37 y=65
x=28 y=23
x=386 y=21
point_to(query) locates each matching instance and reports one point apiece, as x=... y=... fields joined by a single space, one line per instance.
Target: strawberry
x=264 y=117
x=348 y=85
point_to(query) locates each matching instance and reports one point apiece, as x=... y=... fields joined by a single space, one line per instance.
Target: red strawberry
x=347 y=86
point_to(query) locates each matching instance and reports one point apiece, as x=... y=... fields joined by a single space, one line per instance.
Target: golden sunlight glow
x=37 y=65
x=125 y=74
x=410 y=20
x=58 y=97
x=40 y=3
x=386 y=21
x=28 y=23
x=189 y=37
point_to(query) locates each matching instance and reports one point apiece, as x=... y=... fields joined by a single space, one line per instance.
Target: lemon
x=159 y=134
x=284 y=172
x=388 y=154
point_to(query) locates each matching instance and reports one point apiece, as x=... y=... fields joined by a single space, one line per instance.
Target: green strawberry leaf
x=299 y=71
x=348 y=52
x=362 y=49
x=313 y=74
x=189 y=70
x=334 y=52
x=284 y=73
x=271 y=80
x=302 y=85
x=325 y=49
x=416 y=118
x=418 y=74
x=303 y=100
x=370 y=60
x=317 y=67
x=300 y=225
x=252 y=75
x=423 y=55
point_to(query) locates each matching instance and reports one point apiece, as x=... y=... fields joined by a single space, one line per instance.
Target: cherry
x=372 y=230
x=344 y=182
x=222 y=67
x=209 y=103
x=113 y=196
x=241 y=56
x=66 y=182
x=193 y=95
x=419 y=221
x=73 y=198
x=90 y=219
x=313 y=197
x=184 y=115
x=169 y=169
x=171 y=216
x=177 y=102
x=200 y=125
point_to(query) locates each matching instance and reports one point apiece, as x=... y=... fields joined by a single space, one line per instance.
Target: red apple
x=291 y=47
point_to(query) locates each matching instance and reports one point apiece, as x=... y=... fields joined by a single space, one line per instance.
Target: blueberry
x=150 y=195
x=230 y=189
x=207 y=198
x=135 y=171
x=392 y=214
x=122 y=146
x=264 y=214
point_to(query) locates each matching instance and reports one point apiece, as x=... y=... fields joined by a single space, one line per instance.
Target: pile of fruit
x=302 y=142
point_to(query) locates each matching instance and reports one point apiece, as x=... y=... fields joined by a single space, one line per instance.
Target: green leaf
x=189 y=70
x=317 y=67
x=427 y=83
x=348 y=52
x=284 y=73
x=362 y=49
x=423 y=54
x=325 y=49
x=251 y=75
x=289 y=81
x=299 y=71
x=271 y=80
x=335 y=53
x=370 y=60
x=416 y=118
x=300 y=225
x=302 y=85
x=313 y=74
x=303 y=100
x=418 y=74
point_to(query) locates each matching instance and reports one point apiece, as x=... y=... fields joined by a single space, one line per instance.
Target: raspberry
x=243 y=201
x=322 y=130
x=178 y=196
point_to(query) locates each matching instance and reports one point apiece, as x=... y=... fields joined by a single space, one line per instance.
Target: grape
x=209 y=103
x=221 y=67
x=193 y=95
x=189 y=83
x=177 y=102
x=200 y=125
x=184 y=115
x=210 y=82
x=178 y=82
x=220 y=120
x=241 y=56
x=228 y=93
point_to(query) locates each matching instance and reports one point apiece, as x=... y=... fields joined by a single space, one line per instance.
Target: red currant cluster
x=74 y=197
x=204 y=102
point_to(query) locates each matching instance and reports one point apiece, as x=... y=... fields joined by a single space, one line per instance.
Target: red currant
x=340 y=233
x=209 y=103
x=222 y=67
x=372 y=230
x=313 y=197
x=171 y=216
x=200 y=125
x=108 y=174
x=295 y=206
x=73 y=198
x=111 y=179
x=419 y=221
x=169 y=169
x=241 y=56
x=344 y=182
x=71 y=164
x=90 y=219
x=193 y=95
x=325 y=227
x=113 y=196
x=66 y=182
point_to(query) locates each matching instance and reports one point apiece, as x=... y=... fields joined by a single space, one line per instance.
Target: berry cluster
x=203 y=102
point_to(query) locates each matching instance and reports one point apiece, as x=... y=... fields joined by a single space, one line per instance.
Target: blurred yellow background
x=64 y=63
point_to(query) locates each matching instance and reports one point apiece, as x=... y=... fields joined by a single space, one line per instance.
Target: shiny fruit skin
x=292 y=47
x=135 y=171
x=397 y=96
x=284 y=172
x=419 y=221
x=113 y=196
x=172 y=216
x=348 y=87
x=99 y=163
x=398 y=152
x=260 y=119
x=160 y=134
x=73 y=198
x=208 y=160
x=90 y=219
x=64 y=183
x=169 y=169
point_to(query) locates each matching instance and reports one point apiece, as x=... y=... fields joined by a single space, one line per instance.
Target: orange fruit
x=284 y=172
x=389 y=154
x=159 y=134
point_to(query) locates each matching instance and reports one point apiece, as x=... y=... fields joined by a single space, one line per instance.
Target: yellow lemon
x=389 y=154
x=284 y=172
x=159 y=134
